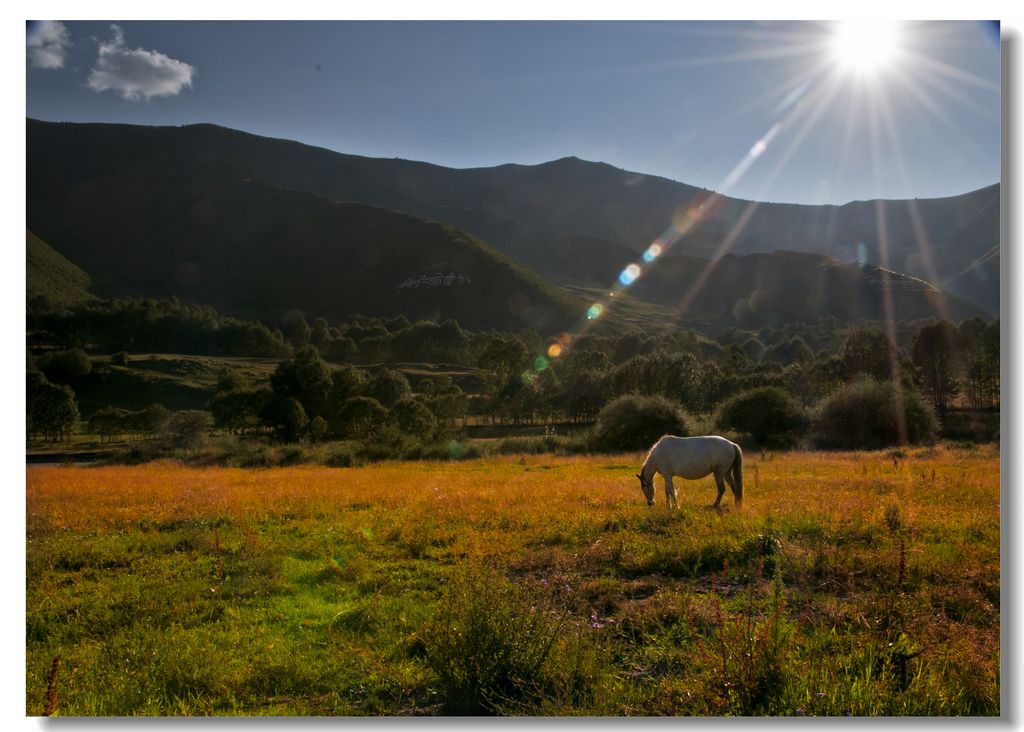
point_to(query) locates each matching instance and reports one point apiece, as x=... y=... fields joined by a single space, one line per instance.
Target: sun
x=865 y=47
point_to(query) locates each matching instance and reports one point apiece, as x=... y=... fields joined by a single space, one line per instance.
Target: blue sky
x=758 y=110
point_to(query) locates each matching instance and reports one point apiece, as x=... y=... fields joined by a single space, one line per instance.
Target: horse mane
x=643 y=468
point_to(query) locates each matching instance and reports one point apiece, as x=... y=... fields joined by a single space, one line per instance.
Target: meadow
x=857 y=583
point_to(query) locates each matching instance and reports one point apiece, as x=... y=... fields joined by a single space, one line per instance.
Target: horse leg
x=670 y=493
x=721 y=489
x=731 y=482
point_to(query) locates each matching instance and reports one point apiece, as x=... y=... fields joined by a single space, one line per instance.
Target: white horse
x=693 y=458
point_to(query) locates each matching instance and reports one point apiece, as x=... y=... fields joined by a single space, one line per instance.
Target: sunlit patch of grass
x=848 y=583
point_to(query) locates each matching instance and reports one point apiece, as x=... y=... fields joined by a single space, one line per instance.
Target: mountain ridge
x=574 y=222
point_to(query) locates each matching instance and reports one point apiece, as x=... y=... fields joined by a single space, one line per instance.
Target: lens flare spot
x=455 y=449
x=540 y=363
x=653 y=252
x=629 y=274
x=594 y=312
x=862 y=254
x=528 y=377
x=554 y=350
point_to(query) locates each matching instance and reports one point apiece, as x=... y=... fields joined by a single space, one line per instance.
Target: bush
x=864 y=415
x=120 y=358
x=499 y=647
x=769 y=414
x=634 y=422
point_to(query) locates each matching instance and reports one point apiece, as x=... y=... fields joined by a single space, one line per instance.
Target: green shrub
x=865 y=415
x=769 y=414
x=502 y=647
x=635 y=422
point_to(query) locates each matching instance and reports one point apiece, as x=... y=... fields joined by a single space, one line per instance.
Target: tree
x=154 y=418
x=980 y=349
x=239 y=410
x=318 y=429
x=502 y=357
x=768 y=414
x=635 y=422
x=108 y=423
x=866 y=352
x=346 y=382
x=445 y=399
x=52 y=409
x=934 y=352
x=361 y=417
x=388 y=387
x=794 y=349
x=65 y=367
x=753 y=349
x=306 y=378
x=412 y=417
x=298 y=332
x=320 y=335
x=287 y=417
x=188 y=428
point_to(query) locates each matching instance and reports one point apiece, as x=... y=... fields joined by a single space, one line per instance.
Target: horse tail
x=737 y=474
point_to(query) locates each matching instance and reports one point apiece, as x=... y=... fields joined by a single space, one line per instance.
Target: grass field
x=850 y=583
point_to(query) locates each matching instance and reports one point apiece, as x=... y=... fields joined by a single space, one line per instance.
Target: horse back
x=694 y=457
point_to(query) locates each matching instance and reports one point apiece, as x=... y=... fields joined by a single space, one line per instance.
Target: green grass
x=518 y=585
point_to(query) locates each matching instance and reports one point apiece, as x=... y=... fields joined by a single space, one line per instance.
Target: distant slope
x=771 y=289
x=258 y=251
x=50 y=278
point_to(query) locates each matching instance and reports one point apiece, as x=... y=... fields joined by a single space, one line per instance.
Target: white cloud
x=48 y=42
x=137 y=73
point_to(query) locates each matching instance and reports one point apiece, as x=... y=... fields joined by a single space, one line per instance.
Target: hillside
x=573 y=222
x=50 y=278
x=250 y=249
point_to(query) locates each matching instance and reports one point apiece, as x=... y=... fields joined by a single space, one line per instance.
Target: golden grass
x=932 y=487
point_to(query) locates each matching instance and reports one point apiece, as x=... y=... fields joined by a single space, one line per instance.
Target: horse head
x=648 y=488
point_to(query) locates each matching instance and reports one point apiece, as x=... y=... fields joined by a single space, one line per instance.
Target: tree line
x=315 y=395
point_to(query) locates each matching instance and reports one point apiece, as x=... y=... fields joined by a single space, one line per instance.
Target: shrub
x=501 y=647
x=120 y=358
x=865 y=415
x=769 y=414
x=634 y=422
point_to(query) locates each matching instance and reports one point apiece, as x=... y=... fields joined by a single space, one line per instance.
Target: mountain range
x=259 y=227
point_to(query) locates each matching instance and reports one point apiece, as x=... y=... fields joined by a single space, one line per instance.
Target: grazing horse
x=693 y=458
